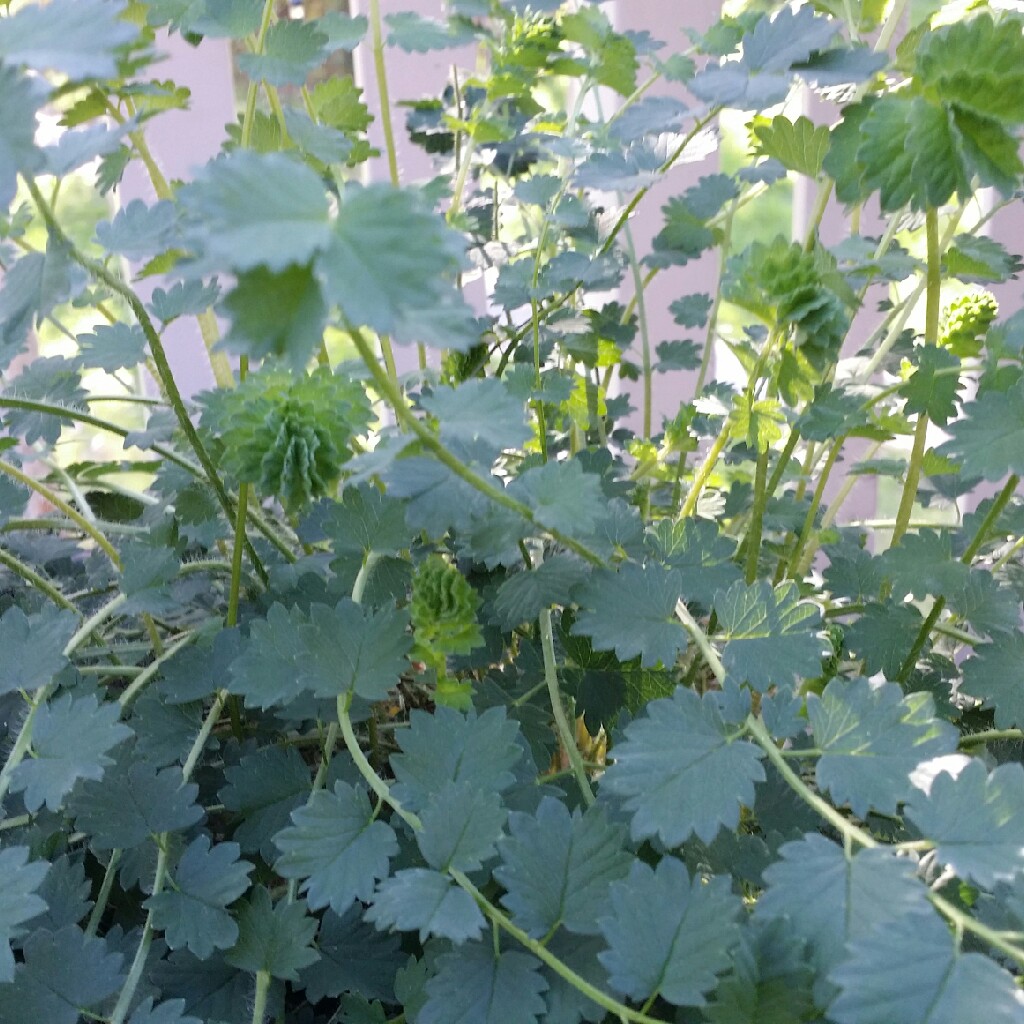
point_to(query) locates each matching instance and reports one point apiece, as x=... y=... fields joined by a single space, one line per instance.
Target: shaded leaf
x=460 y=827
x=274 y=939
x=19 y=901
x=426 y=901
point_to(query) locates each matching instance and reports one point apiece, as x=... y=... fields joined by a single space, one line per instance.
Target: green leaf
x=32 y=646
x=76 y=38
x=292 y=51
x=832 y=899
x=460 y=827
x=912 y=970
x=988 y=440
x=771 y=635
x=263 y=789
x=171 y=1012
x=563 y=496
x=977 y=63
x=980 y=260
x=353 y=649
x=479 y=410
x=976 y=821
x=475 y=986
x=390 y=264
x=211 y=989
x=632 y=612
x=556 y=868
x=354 y=957
x=132 y=803
x=61 y=973
x=277 y=940
x=183 y=299
x=416 y=34
x=798 y=145
x=524 y=595
x=990 y=151
x=932 y=389
x=343 y=31
x=248 y=210
x=19 y=901
x=770 y=982
x=266 y=673
x=70 y=741
x=138 y=231
x=364 y=520
x=222 y=19
x=416 y=899
x=337 y=847
x=276 y=314
x=995 y=674
x=667 y=934
x=660 y=765
x=23 y=99
x=113 y=347
x=883 y=635
x=193 y=911
x=872 y=738
x=449 y=747
x=699 y=552
x=66 y=893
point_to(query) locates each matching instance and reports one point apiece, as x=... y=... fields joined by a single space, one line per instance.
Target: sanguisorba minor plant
x=339 y=695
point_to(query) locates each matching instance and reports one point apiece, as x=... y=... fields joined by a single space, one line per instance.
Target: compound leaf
x=460 y=826
x=632 y=612
x=798 y=145
x=32 y=646
x=770 y=634
x=193 y=912
x=667 y=934
x=556 y=867
x=449 y=747
x=910 y=969
x=133 y=802
x=473 y=986
x=354 y=957
x=418 y=899
x=274 y=939
x=988 y=440
x=70 y=741
x=255 y=209
x=832 y=899
x=932 y=389
x=872 y=738
x=19 y=901
x=337 y=846
x=61 y=973
x=662 y=765
x=976 y=821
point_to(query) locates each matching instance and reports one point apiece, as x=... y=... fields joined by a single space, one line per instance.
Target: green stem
x=565 y=732
x=846 y=828
x=921 y=639
x=409 y=422
x=379 y=787
x=716 y=304
x=991 y=517
x=753 y=540
x=23 y=740
x=100 y=906
x=707 y=467
x=804 y=550
x=543 y=954
x=966 y=923
x=146 y=675
x=975 y=739
x=701 y=639
x=259 y=1003
x=33 y=578
x=124 y=1000
x=196 y=750
x=82 y=522
x=645 y=334
x=784 y=456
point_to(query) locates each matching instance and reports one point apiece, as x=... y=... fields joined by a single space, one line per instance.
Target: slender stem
x=716 y=303
x=753 y=539
x=921 y=639
x=131 y=983
x=784 y=456
x=379 y=787
x=645 y=334
x=700 y=638
x=238 y=544
x=846 y=828
x=259 y=1003
x=565 y=731
x=390 y=392
x=966 y=923
x=33 y=578
x=707 y=467
x=804 y=550
x=70 y=511
x=100 y=906
x=196 y=750
x=991 y=736
x=147 y=674
x=991 y=517
x=542 y=953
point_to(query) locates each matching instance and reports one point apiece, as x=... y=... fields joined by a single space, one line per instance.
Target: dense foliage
x=475 y=695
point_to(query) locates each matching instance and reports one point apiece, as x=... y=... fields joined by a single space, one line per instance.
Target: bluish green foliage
x=345 y=692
